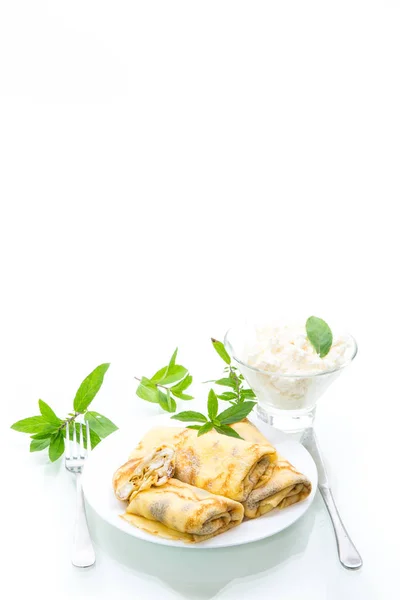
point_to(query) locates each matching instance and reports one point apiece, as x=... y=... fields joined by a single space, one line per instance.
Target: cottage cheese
x=287 y=350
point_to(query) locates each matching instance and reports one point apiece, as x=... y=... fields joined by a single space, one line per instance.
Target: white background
x=167 y=169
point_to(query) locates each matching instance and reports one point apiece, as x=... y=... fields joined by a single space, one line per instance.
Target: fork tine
x=88 y=440
x=67 y=444
x=74 y=445
x=81 y=441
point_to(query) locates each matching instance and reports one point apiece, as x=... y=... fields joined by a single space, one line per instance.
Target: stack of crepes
x=184 y=487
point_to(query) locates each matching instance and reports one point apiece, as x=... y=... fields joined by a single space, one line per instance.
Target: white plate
x=114 y=451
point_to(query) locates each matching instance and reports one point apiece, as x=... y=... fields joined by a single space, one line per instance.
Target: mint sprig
x=49 y=431
x=216 y=421
x=158 y=389
x=233 y=379
x=320 y=335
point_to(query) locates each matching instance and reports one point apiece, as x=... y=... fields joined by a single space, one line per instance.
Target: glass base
x=290 y=421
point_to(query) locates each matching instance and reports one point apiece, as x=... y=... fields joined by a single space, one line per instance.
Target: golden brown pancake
x=183 y=512
x=217 y=463
x=280 y=486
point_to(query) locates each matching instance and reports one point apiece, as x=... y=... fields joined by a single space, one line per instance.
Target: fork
x=82 y=548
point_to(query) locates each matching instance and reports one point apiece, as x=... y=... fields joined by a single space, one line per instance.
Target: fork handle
x=82 y=548
x=348 y=553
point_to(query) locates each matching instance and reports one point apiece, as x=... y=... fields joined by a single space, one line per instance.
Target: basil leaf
x=220 y=349
x=166 y=402
x=228 y=396
x=99 y=424
x=147 y=390
x=171 y=402
x=190 y=415
x=225 y=430
x=226 y=381
x=169 y=375
x=37 y=445
x=182 y=385
x=56 y=447
x=48 y=413
x=236 y=413
x=89 y=388
x=247 y=394
x=320 y=335
x=182 y=396
x=42 y=436
x=33 y=425
x=205 y=428
x=173 y=359
x=197 y=427
x=159 y=376
x=212 y=405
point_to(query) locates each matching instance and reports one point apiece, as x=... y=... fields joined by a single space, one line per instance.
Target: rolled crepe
x=183 y=512
x=153 y=469
x=280 y=486
x=217 y=463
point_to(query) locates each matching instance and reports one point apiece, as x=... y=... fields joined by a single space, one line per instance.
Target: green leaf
x=225 y=430
x=163 y=401
x=197 y=427
x=171 y=402
x=42 y=436
x=37 y=445
x=320 y=335
x=190 y=415
x=173 y=359
x=48 y=413
x=212 y=404
x=236 y=413
x=247 y=394
x=228 y=396
x=100 y=424
x=33 y=425
x=56 y=447
x=205 y=428
x=216 y=422
x=227 y=381
x=182 y=396
x=182 y=385
x=166 y=402
x=220 y=348
x=169 y=374
x=147 y=390
x=89 y=388
x=159 y=376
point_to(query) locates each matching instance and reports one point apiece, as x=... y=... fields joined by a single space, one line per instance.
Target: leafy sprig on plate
x=233 y=379
x=49 y=431
x=220 y=422
x=167 y=384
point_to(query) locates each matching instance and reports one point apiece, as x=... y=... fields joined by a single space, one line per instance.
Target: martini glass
x=285 y=400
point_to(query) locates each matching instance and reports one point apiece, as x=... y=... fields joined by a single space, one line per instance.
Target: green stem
x=237 y=381
x=157 y=384
x=64 y=424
